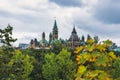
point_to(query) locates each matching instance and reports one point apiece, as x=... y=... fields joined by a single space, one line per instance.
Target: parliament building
x=73 y=42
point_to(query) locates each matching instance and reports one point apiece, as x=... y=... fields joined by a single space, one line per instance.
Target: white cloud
x=31 y=17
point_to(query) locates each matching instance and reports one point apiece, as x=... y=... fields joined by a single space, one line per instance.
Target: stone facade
x=74 y=40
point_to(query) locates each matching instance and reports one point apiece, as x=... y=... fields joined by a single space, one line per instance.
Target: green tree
x=59 y=67
x=21 y=66
x=39 y=56
x=116 y=70
x=4 y=67
x=6 y=36
x=57 y=47
x=13 y=64
x=17 y=67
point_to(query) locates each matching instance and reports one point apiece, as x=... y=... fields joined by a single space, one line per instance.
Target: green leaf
x=102 y=60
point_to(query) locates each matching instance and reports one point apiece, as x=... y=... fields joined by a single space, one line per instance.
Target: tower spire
x=55 y=30
x=55 y=24
x=74 y=30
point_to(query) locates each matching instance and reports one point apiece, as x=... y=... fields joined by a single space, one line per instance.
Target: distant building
x=72 y=42
x=23 y=46
x=1 y=43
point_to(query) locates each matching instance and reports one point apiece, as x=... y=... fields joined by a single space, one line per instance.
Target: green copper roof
x=55 y=25
x=53 y=41
x=117 y=49
x=46 y=42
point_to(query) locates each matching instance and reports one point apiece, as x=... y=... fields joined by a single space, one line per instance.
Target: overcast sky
x=32 y=17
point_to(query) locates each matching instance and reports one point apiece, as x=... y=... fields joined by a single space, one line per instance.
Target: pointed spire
x=83 y=38
x=74 y=31
x=43 y=34
x=50 y=35
x=55 y=25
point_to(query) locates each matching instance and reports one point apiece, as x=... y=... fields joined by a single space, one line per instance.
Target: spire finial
x=74 y=31
x=55 y=24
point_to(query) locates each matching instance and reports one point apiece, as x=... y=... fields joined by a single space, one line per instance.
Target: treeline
x=93 y=60
x=30 y=64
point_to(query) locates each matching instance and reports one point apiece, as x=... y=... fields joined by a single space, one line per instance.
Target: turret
x=83 y=38
x=50 y=38
x=43 y=37
x=31 y=43
x=35 y=42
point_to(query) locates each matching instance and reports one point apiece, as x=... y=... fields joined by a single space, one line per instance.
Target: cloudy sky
x=32 y=17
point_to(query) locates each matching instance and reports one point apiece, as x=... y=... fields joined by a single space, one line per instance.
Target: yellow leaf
x=107 y=78
x=81 y=69
x=90 y=41
x=77 y=59
x=111 y=54
x=78 y=56
x=101 y=47
x=78 y=49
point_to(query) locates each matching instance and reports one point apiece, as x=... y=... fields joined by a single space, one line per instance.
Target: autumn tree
x=94 y=61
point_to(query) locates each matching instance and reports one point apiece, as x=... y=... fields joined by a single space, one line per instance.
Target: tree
x=116 y=71
x=6 y=36
x=59 y=67
x=94 y=61
x=39 y=56
x=13 y=64
x=21 y=66
x=57 y=47
x=17 y=67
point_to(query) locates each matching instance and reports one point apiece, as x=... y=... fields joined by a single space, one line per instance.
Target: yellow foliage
x=112 y=55
x=101 y=47
x=90 y=41
x=77 y=59
x=81 y=69
x=78 y=49
x=107 y=78
x=92 y=57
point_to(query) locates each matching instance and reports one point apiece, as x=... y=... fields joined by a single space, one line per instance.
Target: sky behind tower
x=32 y=17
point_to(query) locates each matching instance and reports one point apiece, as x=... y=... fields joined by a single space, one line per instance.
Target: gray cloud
x=75 y=3
x=96 y=27
x=108 y=11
